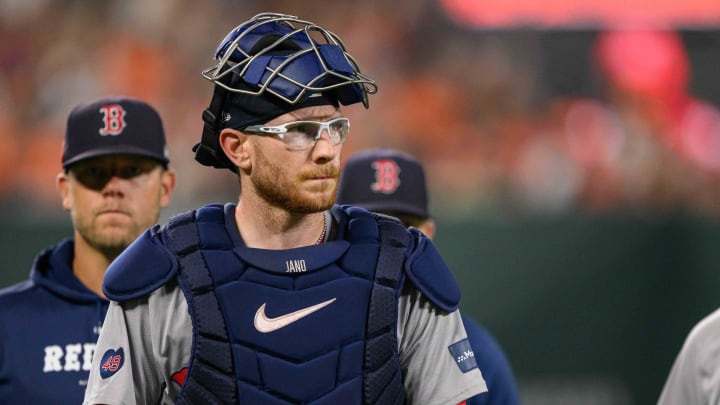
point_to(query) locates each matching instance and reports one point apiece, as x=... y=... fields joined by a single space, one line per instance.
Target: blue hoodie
x=48 y=328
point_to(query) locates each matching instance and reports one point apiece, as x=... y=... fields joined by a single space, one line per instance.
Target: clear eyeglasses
x=301 y=135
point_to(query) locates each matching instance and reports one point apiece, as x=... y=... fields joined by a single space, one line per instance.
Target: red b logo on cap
x=387 y=177
x=113 y=119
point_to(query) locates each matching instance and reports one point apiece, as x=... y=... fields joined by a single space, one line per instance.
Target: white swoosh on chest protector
x=264 y=324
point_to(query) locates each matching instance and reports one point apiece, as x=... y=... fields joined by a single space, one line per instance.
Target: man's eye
x=130 y=172
x=95 y=172
x=303 y=129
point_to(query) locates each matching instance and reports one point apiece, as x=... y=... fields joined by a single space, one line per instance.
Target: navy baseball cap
x=114 y=126
x=384 y=180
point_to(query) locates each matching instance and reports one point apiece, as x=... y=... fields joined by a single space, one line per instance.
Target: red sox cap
x=384 y=180
x=114 y=126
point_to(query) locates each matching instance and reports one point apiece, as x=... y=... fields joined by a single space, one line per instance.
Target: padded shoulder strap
x=210 y=375
x=429 y=273
x=383 y=377
x=140 y=269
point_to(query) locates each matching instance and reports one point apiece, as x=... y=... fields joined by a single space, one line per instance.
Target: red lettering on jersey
x=113 y=119
x=387 y=176
x=180 y=376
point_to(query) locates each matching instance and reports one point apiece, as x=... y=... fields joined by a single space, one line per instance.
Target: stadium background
x=579 y=220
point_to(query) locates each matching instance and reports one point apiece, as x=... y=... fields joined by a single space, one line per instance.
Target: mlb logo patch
x=111 y=362
x=463 y=355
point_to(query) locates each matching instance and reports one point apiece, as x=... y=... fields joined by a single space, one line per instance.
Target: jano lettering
x=295 y=266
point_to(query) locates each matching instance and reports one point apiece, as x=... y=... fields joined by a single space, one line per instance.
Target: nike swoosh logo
x=264 y=324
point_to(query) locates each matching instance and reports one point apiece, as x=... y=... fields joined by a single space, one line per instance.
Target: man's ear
x=61 y=183
x=233 y=144
x=167 y=185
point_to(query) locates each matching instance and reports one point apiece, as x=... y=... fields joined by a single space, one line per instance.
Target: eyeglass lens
x=304 y=134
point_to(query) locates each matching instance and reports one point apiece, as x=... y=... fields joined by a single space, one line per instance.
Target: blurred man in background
x=393 y=183
x=114 y=182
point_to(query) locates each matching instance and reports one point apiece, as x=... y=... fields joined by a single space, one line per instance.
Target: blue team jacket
x=48 y=328
x=496 y=369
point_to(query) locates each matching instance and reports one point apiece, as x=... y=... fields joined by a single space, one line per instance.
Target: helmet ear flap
x=208 y=152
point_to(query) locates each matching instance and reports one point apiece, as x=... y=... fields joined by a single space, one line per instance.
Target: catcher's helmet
x=270 y=65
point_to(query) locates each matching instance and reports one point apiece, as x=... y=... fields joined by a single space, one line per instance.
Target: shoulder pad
x=140 y=269
x=429 y=273
x=356 y=224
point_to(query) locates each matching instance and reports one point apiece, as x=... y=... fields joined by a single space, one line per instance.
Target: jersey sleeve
x=154 y=336
x=111 y=375
x=435 y=355
x=695 y=373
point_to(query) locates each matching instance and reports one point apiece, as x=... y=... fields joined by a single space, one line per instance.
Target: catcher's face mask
x=271 y=65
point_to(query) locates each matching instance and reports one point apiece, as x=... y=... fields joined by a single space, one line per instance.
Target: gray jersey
x=695 y=375
x=156 y=331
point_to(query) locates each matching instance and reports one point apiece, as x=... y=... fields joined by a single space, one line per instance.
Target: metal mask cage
x=290 y=66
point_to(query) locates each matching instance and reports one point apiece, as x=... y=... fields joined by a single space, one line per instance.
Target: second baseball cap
x=112 y=126
x=384 y=180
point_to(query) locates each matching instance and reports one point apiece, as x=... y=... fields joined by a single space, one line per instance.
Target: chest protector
x=311 y=325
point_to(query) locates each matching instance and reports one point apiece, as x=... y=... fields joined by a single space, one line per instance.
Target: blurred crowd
x=511 y=123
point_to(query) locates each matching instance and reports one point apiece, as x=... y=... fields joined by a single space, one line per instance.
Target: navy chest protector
x=312 y=325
